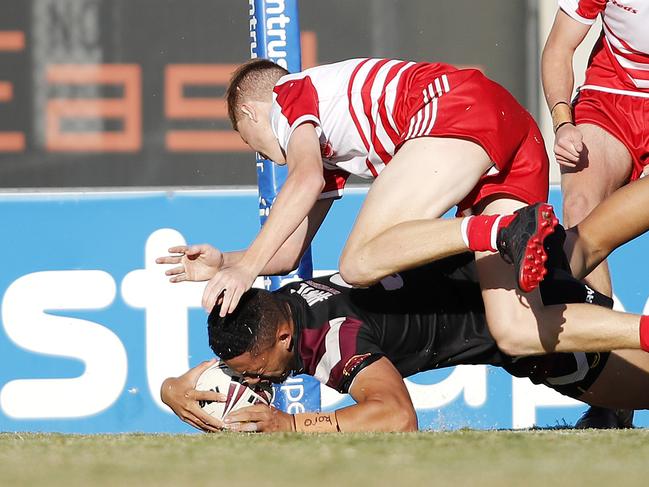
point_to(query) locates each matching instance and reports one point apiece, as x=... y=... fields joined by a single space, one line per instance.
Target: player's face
x=272 y=364
x=256 y=132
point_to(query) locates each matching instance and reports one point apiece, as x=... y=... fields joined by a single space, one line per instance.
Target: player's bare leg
x=620 y=218
x=623 y=383
x=605 y=166
x=426 y=177
x=522 y=325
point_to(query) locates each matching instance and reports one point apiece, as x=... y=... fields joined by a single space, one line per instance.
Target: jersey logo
x=392 y=282
x=354 y=362
x=624 y=7
x=326 y=150
x=590 y=295
x=311 y=295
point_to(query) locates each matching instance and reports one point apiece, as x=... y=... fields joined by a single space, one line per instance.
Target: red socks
x=644 y=333
x=480 y=232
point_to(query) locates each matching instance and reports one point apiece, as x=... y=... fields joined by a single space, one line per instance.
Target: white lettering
x=27 y=323
x=278 y=9
x=526 y=397
x=165 y=306
x=468 y=379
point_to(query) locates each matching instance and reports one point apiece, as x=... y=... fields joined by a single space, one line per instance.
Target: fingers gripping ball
x=220 y=378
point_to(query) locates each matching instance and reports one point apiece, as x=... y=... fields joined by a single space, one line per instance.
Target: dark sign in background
x=98 y=93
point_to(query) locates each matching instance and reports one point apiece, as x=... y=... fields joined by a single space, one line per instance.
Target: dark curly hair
x=252 y=326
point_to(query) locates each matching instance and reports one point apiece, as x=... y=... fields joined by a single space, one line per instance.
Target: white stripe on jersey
x=332 y=353
x=438 y=87
x=357 y=98
x=391 y=95
x=431 y=124
x=447 y=88
x=420 y=118
x=639 y=94
x=375 y=94
x=424 y=123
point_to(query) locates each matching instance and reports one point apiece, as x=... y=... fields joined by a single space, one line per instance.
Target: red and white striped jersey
x=620 y=60
x=362 y=110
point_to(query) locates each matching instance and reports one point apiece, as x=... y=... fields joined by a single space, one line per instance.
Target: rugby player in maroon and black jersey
x=364 y=341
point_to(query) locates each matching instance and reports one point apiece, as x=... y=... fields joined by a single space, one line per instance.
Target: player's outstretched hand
x=568 y=145
x=261 y=418
x=226 y=287
x=197 y=262
x=179 y=394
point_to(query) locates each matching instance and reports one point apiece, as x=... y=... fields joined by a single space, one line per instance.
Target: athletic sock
x=480 y=232
x=644 y=333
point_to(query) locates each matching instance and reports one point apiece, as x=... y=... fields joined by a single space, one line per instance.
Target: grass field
x=471 y=458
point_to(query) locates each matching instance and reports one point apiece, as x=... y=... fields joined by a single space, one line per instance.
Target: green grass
x=472 y=458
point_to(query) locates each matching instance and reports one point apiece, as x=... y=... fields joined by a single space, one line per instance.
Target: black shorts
x=571 y=374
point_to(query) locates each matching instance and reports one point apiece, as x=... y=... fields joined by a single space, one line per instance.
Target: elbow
x=288 y=257
x=288 y=264
x=399 y=416
x=312 y=182
x=408 y=423
x=403 y=420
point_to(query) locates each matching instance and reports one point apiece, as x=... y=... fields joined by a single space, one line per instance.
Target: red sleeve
x=584 y=11
x=295 y=102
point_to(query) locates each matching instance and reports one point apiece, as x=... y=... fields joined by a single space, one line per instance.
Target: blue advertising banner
x=91 y=327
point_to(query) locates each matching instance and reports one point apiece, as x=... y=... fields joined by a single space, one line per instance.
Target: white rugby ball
x=220 y=378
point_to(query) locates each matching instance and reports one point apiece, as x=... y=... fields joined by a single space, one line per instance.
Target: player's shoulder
x=322 y=72
x=583 y=11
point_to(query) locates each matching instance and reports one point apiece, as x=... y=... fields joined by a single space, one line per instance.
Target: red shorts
x=624 y=117
x=467 y=105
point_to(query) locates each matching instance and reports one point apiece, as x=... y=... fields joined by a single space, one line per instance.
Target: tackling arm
x=292 y=206
x=383 y=404
x=294 y=202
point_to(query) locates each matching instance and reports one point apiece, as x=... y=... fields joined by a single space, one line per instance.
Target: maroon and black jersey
x=423 y=319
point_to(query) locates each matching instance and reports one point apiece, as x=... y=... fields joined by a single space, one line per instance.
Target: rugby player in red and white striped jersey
x=602 y=137
x=462 y=140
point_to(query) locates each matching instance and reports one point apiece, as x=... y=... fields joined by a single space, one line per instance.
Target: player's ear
x=250 y=112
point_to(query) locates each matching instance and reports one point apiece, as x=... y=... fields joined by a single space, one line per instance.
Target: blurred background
x=123 y=93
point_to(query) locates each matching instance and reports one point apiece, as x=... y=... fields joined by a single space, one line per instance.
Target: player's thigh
x=425 y=178
x=623 y=383
x=605 y=166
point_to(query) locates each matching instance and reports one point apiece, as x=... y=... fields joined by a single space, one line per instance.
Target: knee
x=513 y=337
x=577 y=204
x=353 y=271
x=516 y=344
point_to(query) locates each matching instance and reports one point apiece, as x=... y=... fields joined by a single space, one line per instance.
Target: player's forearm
x=286 y=259
x=557 y=74
x=556 y=61
x=293 y=204
x=377 y=415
